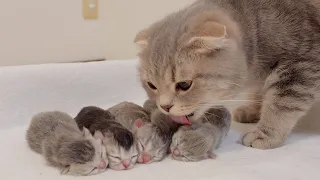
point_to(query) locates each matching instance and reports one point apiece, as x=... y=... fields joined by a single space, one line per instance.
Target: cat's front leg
x=289 y=94
x=193 y=143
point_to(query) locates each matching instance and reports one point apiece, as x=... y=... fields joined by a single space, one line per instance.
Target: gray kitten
x=151 y=128
x=198 y=142
x=119 y=142
x=57 y=137
x=207 y=53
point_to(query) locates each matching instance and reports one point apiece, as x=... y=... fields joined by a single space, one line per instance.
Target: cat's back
x=45 y=124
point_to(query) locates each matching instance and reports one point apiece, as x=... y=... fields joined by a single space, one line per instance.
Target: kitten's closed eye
x=115 y=157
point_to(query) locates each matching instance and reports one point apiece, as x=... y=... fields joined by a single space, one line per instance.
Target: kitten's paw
x=261 y=139
x=191 y=143
x=247 y=114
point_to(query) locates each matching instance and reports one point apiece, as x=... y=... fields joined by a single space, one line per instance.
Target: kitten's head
x=85 y=156
x=188 y=145
x=190 y=62
x=121 y=149
x=152 y=144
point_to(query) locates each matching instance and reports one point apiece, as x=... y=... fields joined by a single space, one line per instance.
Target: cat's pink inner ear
x=141 y=38
x=138 y=123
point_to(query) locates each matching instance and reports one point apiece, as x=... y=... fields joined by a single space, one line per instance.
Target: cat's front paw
x=247 y=114
x=262 y=139
x=192 y=143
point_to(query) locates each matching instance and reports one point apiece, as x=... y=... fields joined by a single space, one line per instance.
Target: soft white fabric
x=26 y=90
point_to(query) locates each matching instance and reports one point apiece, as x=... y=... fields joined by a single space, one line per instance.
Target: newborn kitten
x=119 y=142
x=209 y=52
x=153 y=134
x=57 y=137
x=198 y=142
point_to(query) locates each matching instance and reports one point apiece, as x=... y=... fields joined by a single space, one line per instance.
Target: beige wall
x=43 y=31
x=125 y=18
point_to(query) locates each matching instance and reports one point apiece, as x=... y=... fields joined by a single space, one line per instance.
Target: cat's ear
x=98 y=135
x=208 y=37
x=86 y=132
x=141 y=39
x=138 y=123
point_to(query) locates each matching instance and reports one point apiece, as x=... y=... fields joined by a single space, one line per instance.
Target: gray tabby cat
x=57 y=137
x=151 y=129
x=119 y=142
x=208 y=52
x=198 y=141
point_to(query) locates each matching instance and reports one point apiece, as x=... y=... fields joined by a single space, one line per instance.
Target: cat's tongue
x=181 y=120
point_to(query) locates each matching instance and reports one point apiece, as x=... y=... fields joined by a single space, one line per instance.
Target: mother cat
x=206 y=53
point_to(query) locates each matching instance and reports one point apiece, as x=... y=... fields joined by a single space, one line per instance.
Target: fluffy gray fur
x=223 y=47
x=119 y=142
x=198 y=141
x=151 y=128
x=57 y=137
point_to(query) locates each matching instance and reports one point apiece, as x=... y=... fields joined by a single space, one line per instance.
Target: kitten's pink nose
x=146 y=158
x=102 y=165
x=125 y=163
x=176 y=152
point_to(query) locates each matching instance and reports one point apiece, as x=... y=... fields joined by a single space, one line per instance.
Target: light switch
x=90 y=9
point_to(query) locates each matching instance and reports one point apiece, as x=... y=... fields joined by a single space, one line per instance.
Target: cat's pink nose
x=146 y=158
x=125 y=163
x=176 y=152
x=102 y=165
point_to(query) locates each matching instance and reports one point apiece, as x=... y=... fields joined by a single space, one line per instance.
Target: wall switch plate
x=90 y=9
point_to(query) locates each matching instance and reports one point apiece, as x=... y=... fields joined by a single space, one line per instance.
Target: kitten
x=198 y=142
x=152 y=134
x=119 y=142
x=207 y=53
x=57 y=137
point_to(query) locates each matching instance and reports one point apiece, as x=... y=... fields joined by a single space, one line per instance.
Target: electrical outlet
x=90 y=9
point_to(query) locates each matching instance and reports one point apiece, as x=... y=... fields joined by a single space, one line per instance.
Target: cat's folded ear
x=141 y=39
x=208 y=37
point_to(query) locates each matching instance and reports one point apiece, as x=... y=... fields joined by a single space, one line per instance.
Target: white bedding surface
x=26 y=90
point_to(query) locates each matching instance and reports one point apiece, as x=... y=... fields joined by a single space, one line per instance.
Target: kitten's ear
x=98 y=135
x=138 y=123
x=86 y=132
x=208 y=37
x=141 y=39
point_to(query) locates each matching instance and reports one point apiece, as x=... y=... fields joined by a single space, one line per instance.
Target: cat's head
x=152 y=145
x=189 y=63
x=121 y=149
x=85 y=156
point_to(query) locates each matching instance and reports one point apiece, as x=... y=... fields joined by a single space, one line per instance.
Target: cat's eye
x=151 y=86
x=184 y=85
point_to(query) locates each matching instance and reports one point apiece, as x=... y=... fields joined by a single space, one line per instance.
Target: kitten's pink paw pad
x=176 y=152
x=259 y=140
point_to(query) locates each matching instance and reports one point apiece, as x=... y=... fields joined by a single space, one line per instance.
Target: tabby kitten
x=119 y=142
x=208 y=52
x=151 y=128
x=57 y=137
x=198 y=142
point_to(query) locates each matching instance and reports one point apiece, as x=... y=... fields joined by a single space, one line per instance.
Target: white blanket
x=26 y=90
